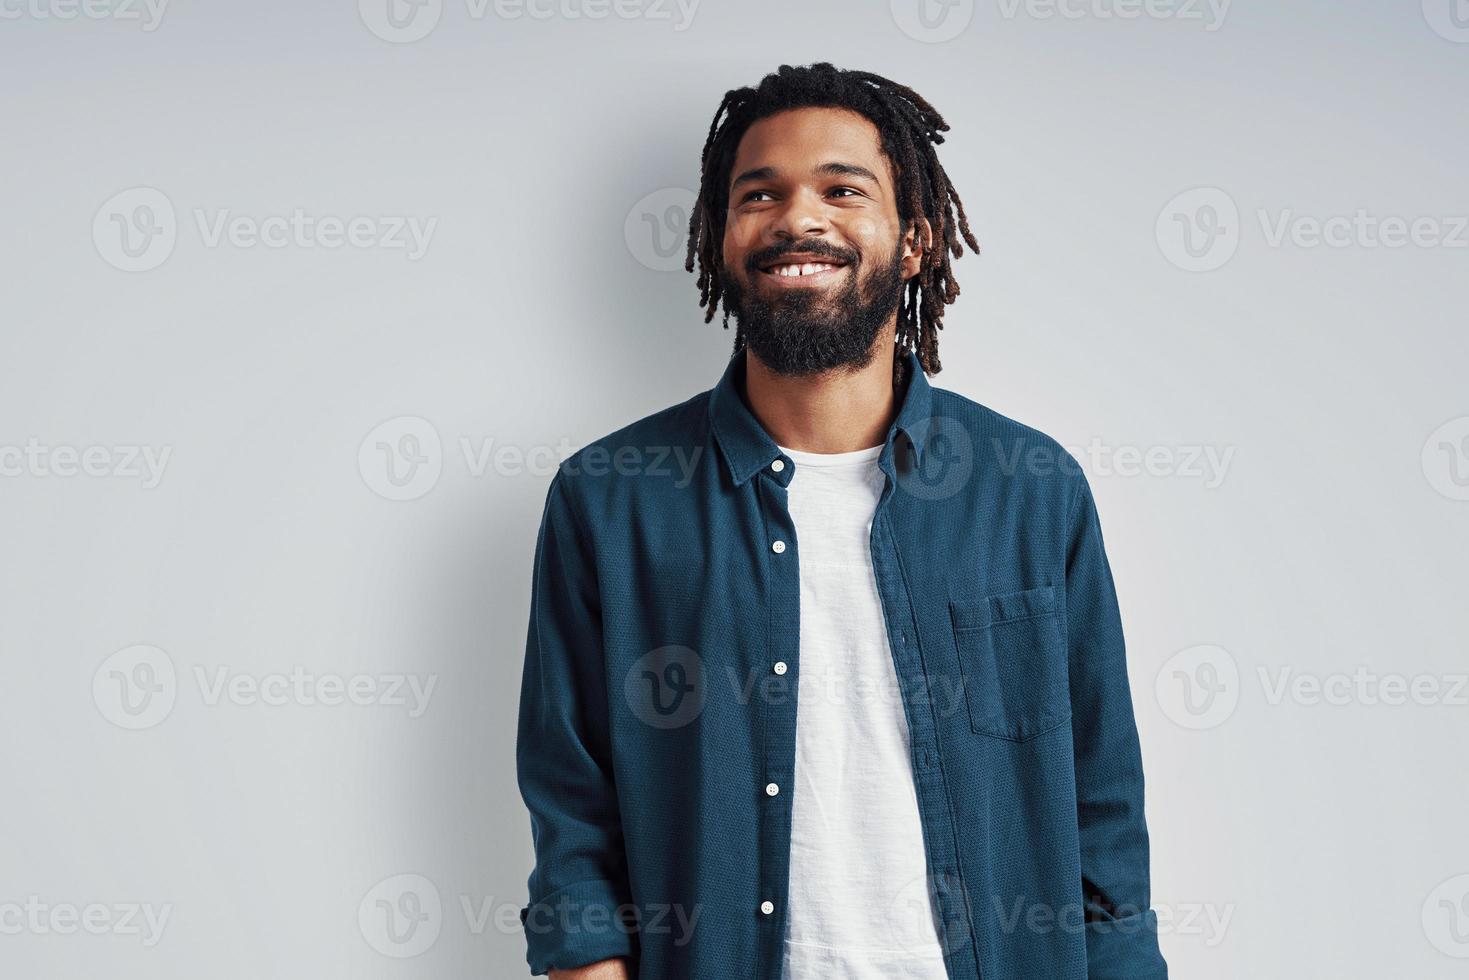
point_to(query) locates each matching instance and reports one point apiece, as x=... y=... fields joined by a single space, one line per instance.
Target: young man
x=825 y=678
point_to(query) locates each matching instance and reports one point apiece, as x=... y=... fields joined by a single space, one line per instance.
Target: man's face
x=814 y=259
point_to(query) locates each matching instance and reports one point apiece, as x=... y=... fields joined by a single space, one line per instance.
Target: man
x=825 y=676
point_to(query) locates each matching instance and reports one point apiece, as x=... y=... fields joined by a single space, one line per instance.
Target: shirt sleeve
x=1121 y=927
x=579 y=890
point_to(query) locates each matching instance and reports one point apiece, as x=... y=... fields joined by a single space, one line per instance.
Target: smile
x=802 y=273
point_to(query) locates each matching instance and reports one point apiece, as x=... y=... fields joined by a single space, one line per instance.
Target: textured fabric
x=853 y=794
x=652 y=717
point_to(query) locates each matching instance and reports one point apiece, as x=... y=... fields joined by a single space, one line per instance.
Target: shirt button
x=767 y=907
x=780 y=667
x=771 y=789
x=778 y=465
x=778 y=547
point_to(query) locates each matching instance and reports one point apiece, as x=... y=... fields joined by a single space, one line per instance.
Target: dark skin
x=615 y=969
x=785 y=195
x=793 y=198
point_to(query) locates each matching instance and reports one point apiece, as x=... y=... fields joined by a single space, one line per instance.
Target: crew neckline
x=803 y=458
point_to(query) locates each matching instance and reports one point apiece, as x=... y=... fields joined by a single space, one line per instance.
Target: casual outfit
x=975 y=811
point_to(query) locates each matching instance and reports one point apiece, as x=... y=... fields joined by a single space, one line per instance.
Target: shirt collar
x=748 y=448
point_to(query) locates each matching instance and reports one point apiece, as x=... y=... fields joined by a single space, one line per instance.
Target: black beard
x=802 y=335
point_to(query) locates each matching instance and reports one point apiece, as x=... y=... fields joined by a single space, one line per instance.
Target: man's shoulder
x=1005 y=445
x=985 y=423
x=680 y=424
x=654 y=440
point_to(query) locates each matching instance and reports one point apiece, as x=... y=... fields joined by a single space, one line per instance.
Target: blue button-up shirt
x=659 y=697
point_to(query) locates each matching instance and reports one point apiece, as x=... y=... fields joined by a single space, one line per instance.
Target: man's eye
x=843 y=191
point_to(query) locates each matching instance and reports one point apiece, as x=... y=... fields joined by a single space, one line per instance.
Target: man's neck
x=836 y=412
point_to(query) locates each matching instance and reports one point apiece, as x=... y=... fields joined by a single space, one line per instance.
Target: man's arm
x=605 y=970
x=1121 y=928
x=563 y=760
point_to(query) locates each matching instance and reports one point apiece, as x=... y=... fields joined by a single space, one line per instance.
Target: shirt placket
x=777 y=708
x=941 y=846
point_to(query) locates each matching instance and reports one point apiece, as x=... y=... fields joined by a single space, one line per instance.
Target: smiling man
x=847 y=700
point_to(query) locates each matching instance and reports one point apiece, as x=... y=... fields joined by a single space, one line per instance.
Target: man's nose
x=802 y=215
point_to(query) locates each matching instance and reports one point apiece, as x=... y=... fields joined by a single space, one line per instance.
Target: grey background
x=1290 y=837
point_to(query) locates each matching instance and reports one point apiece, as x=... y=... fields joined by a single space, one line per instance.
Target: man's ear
x=917 y=240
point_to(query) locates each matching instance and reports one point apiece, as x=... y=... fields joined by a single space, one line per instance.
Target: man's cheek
x=740 y=236
x=864 y=231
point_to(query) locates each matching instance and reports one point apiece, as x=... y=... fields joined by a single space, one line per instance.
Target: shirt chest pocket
x=1012 y=656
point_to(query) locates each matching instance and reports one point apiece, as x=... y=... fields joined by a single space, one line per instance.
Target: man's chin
x=806 y=323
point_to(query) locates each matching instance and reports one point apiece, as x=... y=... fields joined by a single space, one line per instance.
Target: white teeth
x=801 y=270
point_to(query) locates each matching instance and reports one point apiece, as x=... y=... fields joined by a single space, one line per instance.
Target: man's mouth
x=802 y=269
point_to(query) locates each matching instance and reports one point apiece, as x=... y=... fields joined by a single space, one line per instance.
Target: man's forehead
x=806 y=141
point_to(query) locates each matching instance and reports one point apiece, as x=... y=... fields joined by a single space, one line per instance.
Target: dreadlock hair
x=909 y=128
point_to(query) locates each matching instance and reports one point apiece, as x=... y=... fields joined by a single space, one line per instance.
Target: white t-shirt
x=859 y=906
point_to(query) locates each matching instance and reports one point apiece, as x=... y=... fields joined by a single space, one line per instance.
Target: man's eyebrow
x=832 y=169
